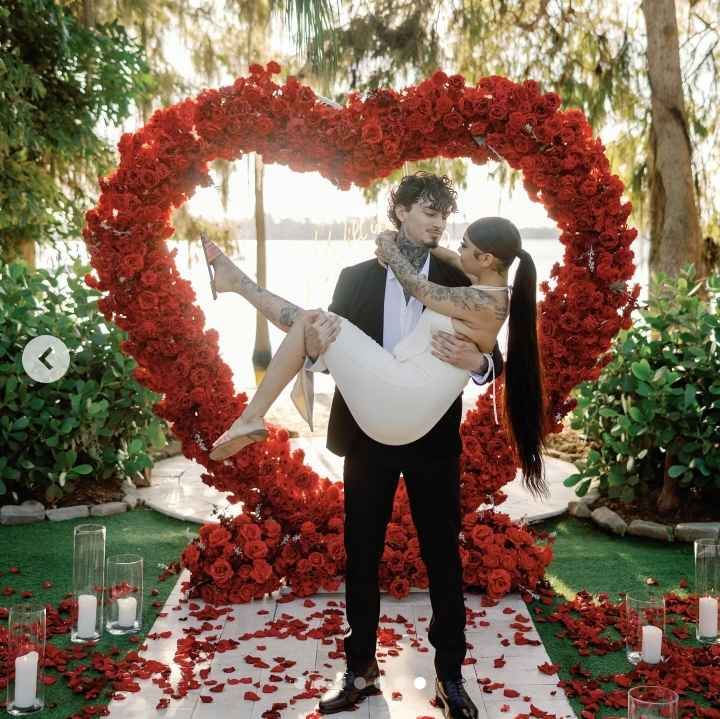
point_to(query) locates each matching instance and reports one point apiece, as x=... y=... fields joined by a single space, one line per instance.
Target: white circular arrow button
x=45 y=358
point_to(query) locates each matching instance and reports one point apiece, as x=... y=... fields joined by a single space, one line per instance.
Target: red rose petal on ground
x=218 y=688
x=47 y=584
x=397 y=696
x=14 y=570
x=205 y=698
x=251 y=697
x=269 y=689
x=510 y=693
x=548 y=668
x=499 y=662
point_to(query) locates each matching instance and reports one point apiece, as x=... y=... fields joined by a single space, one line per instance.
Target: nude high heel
x=212 y=252
x=303 y=395
x=240 y=435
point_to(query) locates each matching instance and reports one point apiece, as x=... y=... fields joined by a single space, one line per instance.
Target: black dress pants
x=433 y=488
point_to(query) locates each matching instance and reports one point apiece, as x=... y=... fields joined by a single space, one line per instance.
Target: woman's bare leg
x=285 y=364
x=230 y=278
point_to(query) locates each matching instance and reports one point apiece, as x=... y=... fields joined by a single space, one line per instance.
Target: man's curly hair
x=434 y=189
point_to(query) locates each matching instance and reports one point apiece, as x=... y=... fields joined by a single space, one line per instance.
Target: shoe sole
x=367 y=692
x=234 y=445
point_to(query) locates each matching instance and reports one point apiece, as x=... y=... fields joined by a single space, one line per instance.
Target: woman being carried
x=398 y=397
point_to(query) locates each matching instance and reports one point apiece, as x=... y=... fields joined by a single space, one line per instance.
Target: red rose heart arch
x=291 y=528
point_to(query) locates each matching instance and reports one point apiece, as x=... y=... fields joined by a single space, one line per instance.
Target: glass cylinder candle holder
x=707 y=586
x=645 y=627
x=652 y=702
x=88 y=582
x=27 y=626
x=124 y=594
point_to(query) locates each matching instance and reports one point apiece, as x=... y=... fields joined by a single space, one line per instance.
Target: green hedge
x=94 y=424
x=656 y=405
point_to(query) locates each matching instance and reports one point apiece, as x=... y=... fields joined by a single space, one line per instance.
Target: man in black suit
x=370 y=296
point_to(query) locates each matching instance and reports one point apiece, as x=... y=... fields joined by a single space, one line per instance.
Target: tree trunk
x=27 y=253
x=675 y=238
x=668 y=500
x=262 y=352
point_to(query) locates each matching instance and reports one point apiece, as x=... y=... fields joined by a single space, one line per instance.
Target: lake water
x=302 y=271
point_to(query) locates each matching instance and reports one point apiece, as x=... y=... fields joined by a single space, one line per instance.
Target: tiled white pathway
x=407 y=669
x=178 y=491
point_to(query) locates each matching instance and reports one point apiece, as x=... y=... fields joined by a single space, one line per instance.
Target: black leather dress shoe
x=353 y=688
x=453 y=700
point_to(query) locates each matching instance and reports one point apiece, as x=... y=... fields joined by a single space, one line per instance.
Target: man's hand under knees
x=320 y=333
x=458 y=352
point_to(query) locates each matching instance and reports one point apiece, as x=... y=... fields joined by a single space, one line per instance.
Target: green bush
x=656 y=405
x=96 y=423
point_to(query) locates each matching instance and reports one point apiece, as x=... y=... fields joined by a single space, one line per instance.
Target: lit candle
x=708 y=617
x=87 y=612
x=127 y=607
x=26 y=679
x=651 y=644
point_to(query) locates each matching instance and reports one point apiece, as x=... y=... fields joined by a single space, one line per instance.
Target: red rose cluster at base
x=585 y=303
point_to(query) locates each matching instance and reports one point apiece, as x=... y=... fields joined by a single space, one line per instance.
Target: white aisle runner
x=404 y=654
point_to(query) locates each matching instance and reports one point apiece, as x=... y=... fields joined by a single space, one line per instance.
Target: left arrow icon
x=46 y=358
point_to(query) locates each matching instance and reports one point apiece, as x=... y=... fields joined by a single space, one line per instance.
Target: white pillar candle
x=127 y=608
x=87 y=615
x=26 y=679
x=651 y=644
x=708 y=617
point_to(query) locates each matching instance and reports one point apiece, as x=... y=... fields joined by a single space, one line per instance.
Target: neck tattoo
x=415 y=254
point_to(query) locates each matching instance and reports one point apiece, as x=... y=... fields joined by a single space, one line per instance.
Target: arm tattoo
x=467 y=298
x=279 y=311
x=288 y=314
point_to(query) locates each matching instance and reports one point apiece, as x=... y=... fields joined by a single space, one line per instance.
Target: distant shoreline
x=351 y=230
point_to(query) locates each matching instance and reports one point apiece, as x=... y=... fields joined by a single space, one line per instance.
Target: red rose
x=480 y=534
x=306 y=96
x=439 y=78
x=191 y=556
x=272 y=68
x=255 y=549
x=264 y=126
x=498 y=583
x=372 y=133
x=261 y=571
x=218 y=537
x=456 y=82
x=497 y=112
x=399 y=588
x=221 y=571
x=453 y=121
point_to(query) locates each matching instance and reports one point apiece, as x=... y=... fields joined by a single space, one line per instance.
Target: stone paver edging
x=611 y=521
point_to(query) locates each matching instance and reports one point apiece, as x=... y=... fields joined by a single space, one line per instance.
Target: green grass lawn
x=588 y=558
x=44 y=550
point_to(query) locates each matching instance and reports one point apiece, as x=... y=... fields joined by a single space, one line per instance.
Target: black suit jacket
x=360 y=297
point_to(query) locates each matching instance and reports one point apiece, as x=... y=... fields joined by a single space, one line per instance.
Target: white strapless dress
x=395 y=397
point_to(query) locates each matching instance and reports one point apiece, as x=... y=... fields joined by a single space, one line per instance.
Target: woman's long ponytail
x=524 y=393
